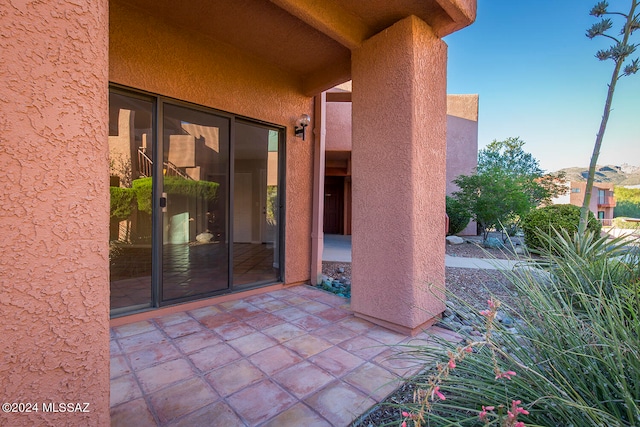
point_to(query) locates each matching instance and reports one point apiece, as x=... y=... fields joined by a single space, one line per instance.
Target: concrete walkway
x=337 y=248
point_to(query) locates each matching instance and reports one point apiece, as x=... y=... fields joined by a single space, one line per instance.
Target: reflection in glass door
x=130 y=169
x=195 y=253
x=255 y=204
x=195 y=202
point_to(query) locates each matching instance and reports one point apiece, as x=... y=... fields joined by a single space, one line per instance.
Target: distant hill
x=619 y=175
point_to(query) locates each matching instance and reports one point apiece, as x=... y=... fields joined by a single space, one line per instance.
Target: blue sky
x=537 y=77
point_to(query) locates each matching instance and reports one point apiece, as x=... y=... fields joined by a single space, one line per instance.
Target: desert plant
x=458 y=216
x=572 y=360
x=554 y=217
x=619 y=52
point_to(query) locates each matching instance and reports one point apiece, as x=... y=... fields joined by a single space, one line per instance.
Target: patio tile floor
x=296 y=356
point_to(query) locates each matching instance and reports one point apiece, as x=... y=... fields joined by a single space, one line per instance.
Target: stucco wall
x=152 y=55
x=399 y=154
x=338 y=126
x=54 y=215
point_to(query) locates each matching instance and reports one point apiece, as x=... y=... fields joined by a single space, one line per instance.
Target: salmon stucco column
x=399 y=162
x=54 y=213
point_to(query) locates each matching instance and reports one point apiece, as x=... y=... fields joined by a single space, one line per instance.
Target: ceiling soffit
x=310 y=38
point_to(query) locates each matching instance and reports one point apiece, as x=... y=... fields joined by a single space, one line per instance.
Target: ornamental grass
x=572 y=359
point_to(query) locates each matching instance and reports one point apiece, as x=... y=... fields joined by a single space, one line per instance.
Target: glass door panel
x=195 y=252
x=130 y=170
x=255 y=205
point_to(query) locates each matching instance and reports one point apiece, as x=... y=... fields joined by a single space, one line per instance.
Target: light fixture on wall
x=301 y=125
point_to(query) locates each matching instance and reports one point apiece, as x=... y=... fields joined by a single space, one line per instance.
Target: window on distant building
x=575 y=190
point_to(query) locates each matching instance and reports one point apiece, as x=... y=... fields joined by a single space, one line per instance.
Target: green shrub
x=554 y=217
x=173 y=185
x=121 y=202
x=458 y=216
x=572 y=360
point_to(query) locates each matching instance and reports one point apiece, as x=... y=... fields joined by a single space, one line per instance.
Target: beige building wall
x=54 y=215
x=168 y=61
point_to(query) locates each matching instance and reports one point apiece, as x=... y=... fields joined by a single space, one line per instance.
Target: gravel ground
x=474 y=286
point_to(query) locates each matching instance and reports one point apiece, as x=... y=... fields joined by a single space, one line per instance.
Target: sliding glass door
x=195 y=178
x=195 y=202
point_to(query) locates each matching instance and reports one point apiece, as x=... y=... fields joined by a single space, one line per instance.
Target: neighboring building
x=602 y=199
x=462 y=154
x=183 y=114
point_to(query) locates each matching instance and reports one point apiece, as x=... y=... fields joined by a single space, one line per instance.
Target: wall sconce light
x=301 y=125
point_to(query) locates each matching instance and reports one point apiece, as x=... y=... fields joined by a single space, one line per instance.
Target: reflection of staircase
x=145 y=167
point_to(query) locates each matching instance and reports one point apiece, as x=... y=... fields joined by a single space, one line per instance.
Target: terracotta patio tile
x=197 y=341
x=295 y=299
x=315 y=307
x=444 y=334
x=233 y=330
x=373 y=380
x=271 y=305
x=284 y=332
x=329 y=298
x=275 y=359
x=216 y=320
x=214 y=357
x=216 y=414
x=336 y=361
x=364 y=347
x=303 y=379
x=133 y=413
x=400 y=362
x=258 y=298
x=297 y=416
x=114 y=348
x=124 y=389
x=172 y=319
x=290 y=313
x=181 y=399
x=153 y=355
x=306 y=291
x=263 y=321
x=260 y=402
x=307 y=345
x=356 y=324
x=333 y=314
x=234 y=377
x=252 y=343
x=118 y=366
x=336 y=333
x=140 y=341
x=282 y=293
x=134 y=329
x=186 y=327
x=309 y=322
x=385 y=336
x=159 y=376
x=242 y=309
x=199 y=313
x=340 y=403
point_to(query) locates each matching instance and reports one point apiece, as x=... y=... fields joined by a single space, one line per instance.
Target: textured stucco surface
x=399 y=155
x=54 y=215
x=170 y=61
x=462 y=142
x=338 y=126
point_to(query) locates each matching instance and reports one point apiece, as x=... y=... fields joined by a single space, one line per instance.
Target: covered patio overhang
x=311 y=39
